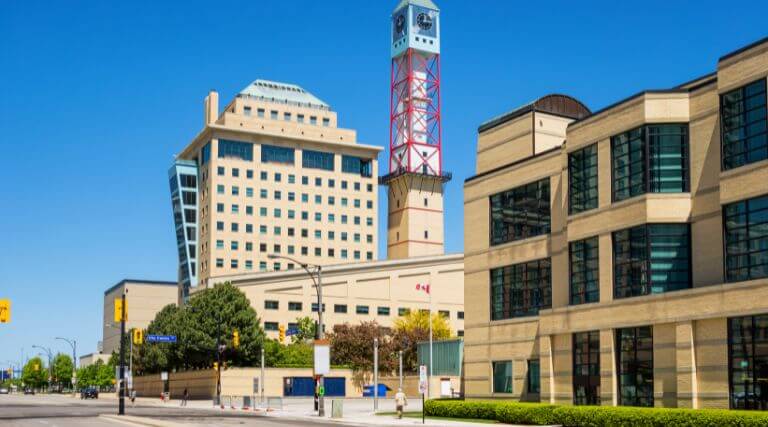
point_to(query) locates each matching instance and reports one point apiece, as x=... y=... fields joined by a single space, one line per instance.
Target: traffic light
x=5 y=311
x=119 y=310
x=37 y=367
x=138 y=336
x=281 y=330
x=236 y=339
x=215 y=366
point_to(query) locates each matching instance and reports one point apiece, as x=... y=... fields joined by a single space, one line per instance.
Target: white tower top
x=416 y=25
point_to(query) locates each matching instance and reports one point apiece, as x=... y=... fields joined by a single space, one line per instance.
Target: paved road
x=62 y=411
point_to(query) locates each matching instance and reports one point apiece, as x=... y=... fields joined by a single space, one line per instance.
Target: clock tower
x=416 y=178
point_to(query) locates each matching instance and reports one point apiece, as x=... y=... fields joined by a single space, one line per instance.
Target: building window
x=534 y=376
x=314 y=307
x=270 y=326
x=585 y=271
x=745 y=225
x=235 y=172
x=361 y=309
x=582 y=180
x=271 y=305
x=326 y=121
x=651 y=259
x=460 y=315
x=312 y=120
x=235 y=149
x=273 y=114
x=445 y=314
x=402 y=311
x=300 y=118
x=356 y=165
x=743 y=117
x=294 y=306
x=748 y=362
x=339 y=308
x=317 y=160
x=287 y=116
x=502 y=377
x=635 y=366
x=586 y=368
x=260 y=112
x=520 y=213
x=650 y=159
x=521 y=289
x=382 y=311
x=220 y=170
x=275 y=154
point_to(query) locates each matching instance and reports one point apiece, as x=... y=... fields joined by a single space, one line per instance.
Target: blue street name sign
x=161 y=338
x=291 y=331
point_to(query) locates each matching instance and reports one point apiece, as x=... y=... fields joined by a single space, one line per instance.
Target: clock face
x=399 y=28
x=424 y=21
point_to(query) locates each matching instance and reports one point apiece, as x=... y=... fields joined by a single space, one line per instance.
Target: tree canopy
x=62 y=370
x=352 y=345
x=35 y=373
x=412 y=328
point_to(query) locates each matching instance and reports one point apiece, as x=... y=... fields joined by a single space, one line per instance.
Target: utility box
x=337 y=408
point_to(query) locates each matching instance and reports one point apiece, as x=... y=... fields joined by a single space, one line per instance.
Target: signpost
x=162 y=338
x=423 y=388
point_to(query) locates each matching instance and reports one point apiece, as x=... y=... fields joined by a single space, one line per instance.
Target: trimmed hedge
x=592 y=416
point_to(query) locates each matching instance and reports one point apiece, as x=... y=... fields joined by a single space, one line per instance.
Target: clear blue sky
x=98 y=96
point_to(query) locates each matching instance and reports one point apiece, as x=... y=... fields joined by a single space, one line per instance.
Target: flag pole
x=429 y=382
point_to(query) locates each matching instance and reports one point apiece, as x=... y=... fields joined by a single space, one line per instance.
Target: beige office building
x=144 y=299
x=620 y=257
x=272 y=174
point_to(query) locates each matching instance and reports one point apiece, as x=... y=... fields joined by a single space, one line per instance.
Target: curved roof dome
x=555 y=103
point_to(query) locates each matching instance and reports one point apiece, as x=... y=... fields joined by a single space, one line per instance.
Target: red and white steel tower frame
x=415 y=174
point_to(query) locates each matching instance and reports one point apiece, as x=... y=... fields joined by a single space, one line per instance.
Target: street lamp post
x=50 y=358
x=121 y=390
x=311 y=270
x=72 y=344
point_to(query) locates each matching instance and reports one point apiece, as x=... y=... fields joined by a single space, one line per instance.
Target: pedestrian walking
x=400 y=402
x=185 y=397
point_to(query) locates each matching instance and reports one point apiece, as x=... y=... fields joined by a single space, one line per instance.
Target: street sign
x=256 y=385
x=291 y=331
x=5 y=311
x=322 y=353
x=163 y=376
x=161 y=338
x=423 y=379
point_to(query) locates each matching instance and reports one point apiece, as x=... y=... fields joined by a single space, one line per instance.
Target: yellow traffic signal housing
x=281 y=330
x=5 y=311
x=37 y=367
x=215 y=366
x=119 y=317
x=236 y=338
x=138 y=336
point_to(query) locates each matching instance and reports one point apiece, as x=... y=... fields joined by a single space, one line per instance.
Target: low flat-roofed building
x=144 y=299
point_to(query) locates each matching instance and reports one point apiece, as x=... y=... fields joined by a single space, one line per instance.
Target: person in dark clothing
x=185 y=397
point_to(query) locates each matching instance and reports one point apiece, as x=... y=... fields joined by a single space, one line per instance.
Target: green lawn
x=417 y=414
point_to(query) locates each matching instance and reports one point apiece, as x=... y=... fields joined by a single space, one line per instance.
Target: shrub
x=592 y=416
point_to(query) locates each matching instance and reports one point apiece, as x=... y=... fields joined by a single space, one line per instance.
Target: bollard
x=337 y=408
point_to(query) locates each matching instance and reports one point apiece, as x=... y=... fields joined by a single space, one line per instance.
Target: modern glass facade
x=635 y=366
x=356 y=165
x=520 y=213
x=275 y=154
x=582 y=180
x=651 y=259
x=586 y=368
x=184 y=188
x=743 y=120
x=745 y=227
x=534 y=376
x=584 y=259
x=521 y=290
x=650 y=159
x=317 y=160
x=235 y=149
x=502 y=376
x=748 y=362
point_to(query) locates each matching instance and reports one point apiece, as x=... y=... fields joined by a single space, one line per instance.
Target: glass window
x=260 y=112
x=236 y=149
x=651 y=259
x=585 y=271
x=275 y=154
x=205 y=154
x=361 y=309
x=271 y=305
x=286 y=116
x=317 y=160
x=312 y=120
x=534 y=376
x=294 y=306
x=326 y=121
x=220 y=170
x=743 y=117
x=402 y=311
x=582 y=178
x=745 y=225
x=247 y=110
x=382 y=311
x=339 y=308
x=460 y=315
x=635 y=366
x=748 y=362
x=300 y=118
x=521 y=289
x=502 y=377
x=650 y=159
x=273 y=114
x=235 y=172
x=520 y=213
x=586 y=368
x=314 y=307
x=356 y=165
x=270 y=326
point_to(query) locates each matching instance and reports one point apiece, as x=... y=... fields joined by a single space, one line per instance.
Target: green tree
x=62 y=370
x=307 y=328
x=298 y=354
x=352 y=345
x=34 y=374
x=412 y=328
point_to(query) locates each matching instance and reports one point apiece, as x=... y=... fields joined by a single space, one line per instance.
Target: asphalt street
x=64 y=411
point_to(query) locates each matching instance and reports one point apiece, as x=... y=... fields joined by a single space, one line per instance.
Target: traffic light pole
x=121 y=404
x=321 y=335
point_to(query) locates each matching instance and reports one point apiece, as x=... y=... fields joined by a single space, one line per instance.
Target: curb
x=138 y=421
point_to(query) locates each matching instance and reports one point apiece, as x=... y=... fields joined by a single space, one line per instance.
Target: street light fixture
x=311 y=270
x=73 y=344
x=50 y=358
